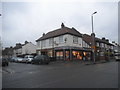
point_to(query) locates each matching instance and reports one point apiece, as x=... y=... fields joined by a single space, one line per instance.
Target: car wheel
x=40 y=62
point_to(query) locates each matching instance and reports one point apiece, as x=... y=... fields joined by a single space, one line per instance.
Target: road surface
x=61 y=75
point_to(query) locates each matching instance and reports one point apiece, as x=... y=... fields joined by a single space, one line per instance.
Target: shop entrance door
x=67 y=55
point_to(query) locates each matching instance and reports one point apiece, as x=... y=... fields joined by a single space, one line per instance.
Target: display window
x=50 y=53
x=59 y=54
x=77 y=55
x=86 y=55
x=67 y=55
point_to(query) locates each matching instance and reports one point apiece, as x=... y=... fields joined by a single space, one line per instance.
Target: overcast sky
x=28 y=20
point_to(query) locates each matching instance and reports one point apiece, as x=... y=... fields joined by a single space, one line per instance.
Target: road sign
x=93 y=47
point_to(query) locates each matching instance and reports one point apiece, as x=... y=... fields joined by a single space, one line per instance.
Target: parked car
x=16 y=59
x=41 y=59
x=5 y=62
x=52 y=59
x=28 y=58
x=19 y=59
x=117 y=56
x=13 y=59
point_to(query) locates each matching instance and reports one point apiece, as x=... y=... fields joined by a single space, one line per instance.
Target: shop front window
x=67 y=55
x=86 y=55
x=77 y=55
x=50 y=54
x=59 y=55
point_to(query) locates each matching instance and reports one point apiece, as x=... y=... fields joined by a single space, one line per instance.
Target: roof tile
x=60 y=31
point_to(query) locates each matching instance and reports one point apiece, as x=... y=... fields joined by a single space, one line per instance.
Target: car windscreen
x=38 y=57
x=41 y=57
x=29 y=56
x=45 y=57
x=19 y=58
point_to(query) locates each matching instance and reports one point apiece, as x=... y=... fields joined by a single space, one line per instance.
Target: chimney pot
x=43 y=34
x=62 y=25
x=103 y=38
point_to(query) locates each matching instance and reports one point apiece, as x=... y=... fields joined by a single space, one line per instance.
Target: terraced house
x=104 y=50
x=24 y=49
x=65 y=44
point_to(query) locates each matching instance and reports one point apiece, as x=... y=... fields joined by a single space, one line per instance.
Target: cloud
x=27 y=21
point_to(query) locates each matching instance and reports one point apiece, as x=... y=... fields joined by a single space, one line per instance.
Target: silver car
x=28 y=58
x=19 y=59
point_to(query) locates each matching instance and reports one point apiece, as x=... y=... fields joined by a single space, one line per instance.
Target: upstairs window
x=50 y=41
x=112 y=47
x=43 y=43
x=60 y=39
x=75 y=39
x=97 y=44
x=102 y=45
x=38 y=43
x=105 y=45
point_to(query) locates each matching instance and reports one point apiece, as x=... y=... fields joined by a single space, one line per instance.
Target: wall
x=17 y=51
x=29 y=48
x=69 y=42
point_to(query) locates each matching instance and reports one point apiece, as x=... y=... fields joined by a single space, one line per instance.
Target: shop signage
x=58 y=48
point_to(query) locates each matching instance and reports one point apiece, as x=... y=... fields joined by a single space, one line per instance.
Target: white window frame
x=61 y=39
x=98 y=44
x=43 y=43
x=102 y=45
x=50 y=41
x=105 y=45
x=38 y=43
x=75 y=39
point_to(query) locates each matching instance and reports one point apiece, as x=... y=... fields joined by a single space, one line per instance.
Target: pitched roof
x=19 y=45
x=88 y=39
x=60 y=31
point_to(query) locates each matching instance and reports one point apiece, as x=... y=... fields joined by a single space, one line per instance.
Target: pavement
x=61 y=74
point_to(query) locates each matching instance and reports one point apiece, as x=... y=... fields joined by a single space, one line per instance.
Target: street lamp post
x=92 y=21
x=93 y=38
